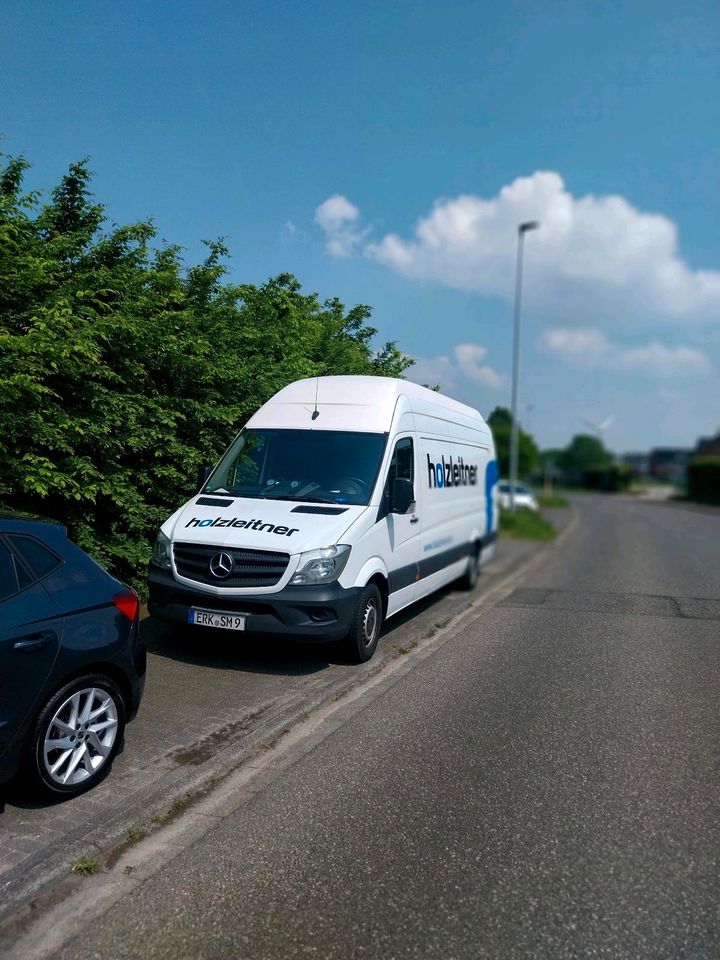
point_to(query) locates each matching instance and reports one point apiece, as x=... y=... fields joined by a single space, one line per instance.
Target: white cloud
x=291 y=233
x=431 y=371
x=336 y=211
x=598 y=254
x=661 y=361
x=469 y=357
x=337 y=218
x=455 y=372
x=582 y=346
x=588 y=347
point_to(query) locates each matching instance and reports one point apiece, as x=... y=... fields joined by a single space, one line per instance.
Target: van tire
x=362 y=640
x=468 y=581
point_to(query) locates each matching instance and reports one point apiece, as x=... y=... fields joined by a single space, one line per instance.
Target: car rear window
x=8 y=577
x=37 y=556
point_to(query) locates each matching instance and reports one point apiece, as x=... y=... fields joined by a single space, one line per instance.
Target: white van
x=343 y=500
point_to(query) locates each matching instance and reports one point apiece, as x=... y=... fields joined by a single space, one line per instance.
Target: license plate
x=214 y=618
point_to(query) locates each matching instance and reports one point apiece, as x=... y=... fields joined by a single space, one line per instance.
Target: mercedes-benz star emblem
x=221 y=565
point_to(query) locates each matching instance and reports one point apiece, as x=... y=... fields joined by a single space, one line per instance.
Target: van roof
x=350 y=403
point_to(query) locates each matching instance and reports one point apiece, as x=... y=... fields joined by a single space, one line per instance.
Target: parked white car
x=524 y=497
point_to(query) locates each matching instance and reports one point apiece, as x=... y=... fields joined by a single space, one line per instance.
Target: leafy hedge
x=610 y=479
x=121 y=371
x=703 y=479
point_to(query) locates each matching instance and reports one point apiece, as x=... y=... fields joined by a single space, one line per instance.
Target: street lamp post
x=522 y=230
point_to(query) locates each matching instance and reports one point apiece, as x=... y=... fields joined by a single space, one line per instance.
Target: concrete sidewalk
x=208 y=707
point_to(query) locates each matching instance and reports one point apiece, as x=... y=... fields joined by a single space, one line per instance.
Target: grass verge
x=527 y=524
x=552 y=500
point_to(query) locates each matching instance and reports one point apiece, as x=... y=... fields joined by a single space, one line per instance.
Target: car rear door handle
x=414 y=519
x=34 y=641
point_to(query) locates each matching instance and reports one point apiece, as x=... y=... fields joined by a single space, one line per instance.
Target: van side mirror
x=203 y=476
x=403 y=495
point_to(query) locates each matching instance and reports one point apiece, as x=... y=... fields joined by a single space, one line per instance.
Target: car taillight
x=127 y=602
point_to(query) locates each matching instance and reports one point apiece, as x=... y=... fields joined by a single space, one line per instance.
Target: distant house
x=708 y=446
x=639 y=463
x=670 y=464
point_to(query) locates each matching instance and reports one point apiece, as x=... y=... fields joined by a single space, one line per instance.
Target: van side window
x=402 y=465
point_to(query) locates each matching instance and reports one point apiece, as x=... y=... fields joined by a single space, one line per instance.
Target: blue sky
x=384 y=153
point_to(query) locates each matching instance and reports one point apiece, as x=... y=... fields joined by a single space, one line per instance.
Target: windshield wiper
x=301 y=499
x=233 y=493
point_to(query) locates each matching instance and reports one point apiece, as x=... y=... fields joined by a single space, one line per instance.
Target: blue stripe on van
x=492 y=475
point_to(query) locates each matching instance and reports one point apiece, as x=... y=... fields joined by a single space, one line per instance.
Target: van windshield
x=316 y=466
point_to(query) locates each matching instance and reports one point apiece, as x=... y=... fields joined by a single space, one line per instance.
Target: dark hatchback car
x=72 y=661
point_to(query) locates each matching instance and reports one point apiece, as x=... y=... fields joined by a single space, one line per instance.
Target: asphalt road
x=545 y=785
x=210 y=702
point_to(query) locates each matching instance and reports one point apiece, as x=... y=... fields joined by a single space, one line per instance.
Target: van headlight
x=162 y=552
x=322 y=566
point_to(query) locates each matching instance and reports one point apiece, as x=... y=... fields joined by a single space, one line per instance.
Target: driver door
x=402 y=530
x=30 y=629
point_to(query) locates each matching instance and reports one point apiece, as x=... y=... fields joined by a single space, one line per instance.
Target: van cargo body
x=342 y=501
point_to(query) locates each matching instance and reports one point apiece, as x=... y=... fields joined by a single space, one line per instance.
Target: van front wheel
x=362 y=640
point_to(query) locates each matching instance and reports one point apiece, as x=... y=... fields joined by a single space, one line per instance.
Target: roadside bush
x=703 y=479
x=121 y=371
x=526 y=524
x=609 y=480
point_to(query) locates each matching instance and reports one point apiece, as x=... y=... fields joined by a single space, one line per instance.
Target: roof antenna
x=316 y=413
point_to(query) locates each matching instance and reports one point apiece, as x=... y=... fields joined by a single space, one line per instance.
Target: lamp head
x=529 y=225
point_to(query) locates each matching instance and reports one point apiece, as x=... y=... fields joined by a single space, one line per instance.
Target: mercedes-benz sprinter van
x=342 y=501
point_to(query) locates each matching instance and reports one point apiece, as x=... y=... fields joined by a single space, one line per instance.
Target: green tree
x=585 y=452
x=121 y=371
x=500 y=422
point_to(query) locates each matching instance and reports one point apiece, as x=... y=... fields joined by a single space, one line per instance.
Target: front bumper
x=322 y=612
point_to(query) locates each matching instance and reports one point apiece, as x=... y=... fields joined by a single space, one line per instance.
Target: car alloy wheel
x=78 y=734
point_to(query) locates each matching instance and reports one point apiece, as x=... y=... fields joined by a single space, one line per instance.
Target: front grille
x=251 y=568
